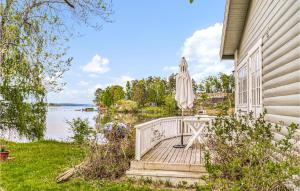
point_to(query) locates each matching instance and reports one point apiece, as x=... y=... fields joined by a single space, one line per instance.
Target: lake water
x=57 y=127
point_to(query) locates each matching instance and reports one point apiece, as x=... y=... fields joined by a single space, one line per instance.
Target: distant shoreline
x=70 y=104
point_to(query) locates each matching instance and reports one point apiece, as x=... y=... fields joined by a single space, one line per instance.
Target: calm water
x=56 y=123
x=57 y=127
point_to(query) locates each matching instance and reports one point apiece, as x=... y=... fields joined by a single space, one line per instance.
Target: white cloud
x=92 y=90
x=83 y=83
x=173 y=69
x=202 y=53
x=98 y=65
x=122 y=80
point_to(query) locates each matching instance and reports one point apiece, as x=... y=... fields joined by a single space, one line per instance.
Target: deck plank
x=153 y=152
x=193 y=157
x=198 y=154
x=188 y=157
x=164 y=152
x=158 y=151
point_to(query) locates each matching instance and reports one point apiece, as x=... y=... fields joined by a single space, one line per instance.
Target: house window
x=242 y=85
x=255 y=72
x=249 y=80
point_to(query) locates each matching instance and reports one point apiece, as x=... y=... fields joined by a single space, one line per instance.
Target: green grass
x=38 y=163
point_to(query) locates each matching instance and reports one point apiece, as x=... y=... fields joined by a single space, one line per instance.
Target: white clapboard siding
x=282 y=119
x=277 y=71
x=282 y=80
x=293 y=111
x=288 y=89
x=277 y=24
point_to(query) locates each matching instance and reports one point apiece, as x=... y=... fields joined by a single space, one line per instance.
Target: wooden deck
x=164 y=152
x=171 y=164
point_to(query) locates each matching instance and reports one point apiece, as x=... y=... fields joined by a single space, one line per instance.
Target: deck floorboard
x=165 y=153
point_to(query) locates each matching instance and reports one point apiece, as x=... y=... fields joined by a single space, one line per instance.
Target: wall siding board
x=293 y=111
x=288 y=89
x=280 y=70
x=284 y=34
x=277 y=23
x=269 y=27
x=290 y=44
x=281 y=119
x=289 y=100
x=286 y=79
x=259 y=28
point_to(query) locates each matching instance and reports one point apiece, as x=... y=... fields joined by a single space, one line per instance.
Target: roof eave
x=224 y=29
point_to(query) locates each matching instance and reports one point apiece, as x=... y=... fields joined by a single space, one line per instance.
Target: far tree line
x=160 y=92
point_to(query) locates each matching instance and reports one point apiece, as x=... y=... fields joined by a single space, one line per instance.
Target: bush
x=112 y=159
x=243 y=155
x=81 y=130
x=127 y=106
x=153 y=109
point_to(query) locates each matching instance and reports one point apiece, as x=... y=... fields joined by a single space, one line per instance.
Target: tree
x=33 y=55
x=128 y=90
x=117 y=93
x=156 y=91
x=171 y=83
x=110 y=96
x=170 y=102
x=195 y=86
x=227 y=82
x=98 y=96
x=139 y=92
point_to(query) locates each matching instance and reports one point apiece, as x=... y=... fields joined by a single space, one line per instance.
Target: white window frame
x=257 y=108
x=246 y=64
x=240 y=87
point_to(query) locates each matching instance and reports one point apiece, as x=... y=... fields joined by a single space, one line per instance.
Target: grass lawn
x=38 y=163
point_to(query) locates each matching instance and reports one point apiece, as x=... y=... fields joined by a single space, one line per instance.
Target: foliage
x=139 y=92
x=170 y=103
x=33 y=34
x=155 y=90
x=128 y=90
x=171 y=84
x=127 y=106
x=221 y=83
x=153 y=109
x=81 y=130
x=151 y=91
x=112 y=159
x=243 y=156
x=109 y=96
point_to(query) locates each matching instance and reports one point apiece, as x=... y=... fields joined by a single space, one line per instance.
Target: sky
x=146 y=38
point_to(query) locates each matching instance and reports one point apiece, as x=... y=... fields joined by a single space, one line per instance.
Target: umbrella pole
x=181 y=145
x=182 y=127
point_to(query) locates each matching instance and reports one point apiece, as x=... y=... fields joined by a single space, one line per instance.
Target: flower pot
x=4 y=155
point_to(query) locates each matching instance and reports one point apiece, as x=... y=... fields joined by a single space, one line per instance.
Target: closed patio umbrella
x=184 y=93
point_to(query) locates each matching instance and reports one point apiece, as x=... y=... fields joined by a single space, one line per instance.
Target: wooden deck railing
x=152 y=132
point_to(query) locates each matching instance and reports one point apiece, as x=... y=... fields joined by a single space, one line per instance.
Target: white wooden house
x=263 y=38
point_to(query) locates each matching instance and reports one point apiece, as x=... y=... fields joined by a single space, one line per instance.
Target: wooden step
x=145 y=165
x=173 y=177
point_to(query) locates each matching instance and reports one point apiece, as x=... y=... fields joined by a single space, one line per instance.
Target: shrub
x=153 y=109
x=81 y=130
x=243 y=155
x=127 y=106
x=112 y=159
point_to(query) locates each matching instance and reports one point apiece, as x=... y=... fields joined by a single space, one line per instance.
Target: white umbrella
x=184 y=93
